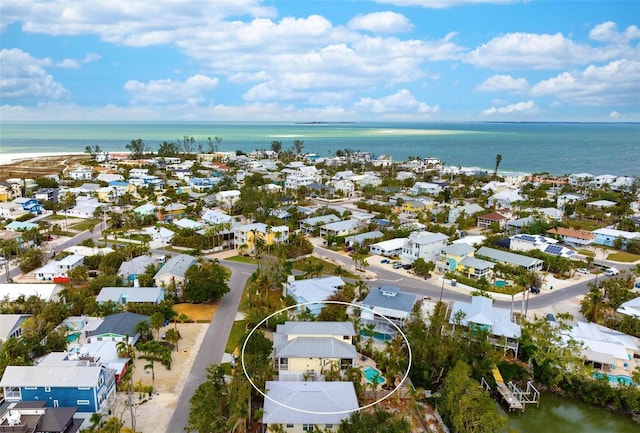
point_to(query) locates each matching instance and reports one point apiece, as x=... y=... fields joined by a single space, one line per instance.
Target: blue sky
x=272 y=60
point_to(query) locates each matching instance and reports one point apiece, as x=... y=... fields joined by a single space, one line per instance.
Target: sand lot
x=153 y=415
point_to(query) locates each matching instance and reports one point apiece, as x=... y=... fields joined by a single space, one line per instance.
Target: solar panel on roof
x=553 y=249
x=528 y=238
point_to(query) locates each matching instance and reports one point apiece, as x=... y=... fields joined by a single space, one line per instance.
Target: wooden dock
x=505 y=392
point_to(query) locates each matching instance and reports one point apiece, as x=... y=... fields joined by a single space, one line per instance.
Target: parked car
x=534 y=289
x=384 y=261
x=408 y=266
x=582 y=271
x=397 y=265
x=611 y=272
x=551 y=317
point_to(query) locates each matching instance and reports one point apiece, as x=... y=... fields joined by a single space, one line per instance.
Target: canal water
x=564 y=415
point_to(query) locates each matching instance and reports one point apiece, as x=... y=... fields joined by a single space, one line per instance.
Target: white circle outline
x=244 y=345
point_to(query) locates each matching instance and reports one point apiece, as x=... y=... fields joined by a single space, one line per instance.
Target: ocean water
x=556 y=148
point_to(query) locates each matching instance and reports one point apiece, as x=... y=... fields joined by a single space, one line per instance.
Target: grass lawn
x=84 y=225
x=622 y=256
x=243 y=259
x=586 y=224
x=327 y=267
x=197 y=312
x=238 y=329
x=587 y=253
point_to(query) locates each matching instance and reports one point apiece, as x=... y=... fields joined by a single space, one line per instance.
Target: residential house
x=161 y=234
x=602 y=180
x=607 y=237
x=118 y=327
x=89 y=387
x=525 y=242
x=33 y=416
x=11 y=326
x=21 y=226
x=9 y=191
x=305 y=350
x=499 y=256
x=580 y=179
x=105 y=352
x=504 y=199
x=385 y=307
x=228 y=198
x=341 y=228
x=312 y=290
x=519 y=225
x=187 y=223
x=601 y=204
x=131 y=295
x=423 y=244
x=45 y=291
x=568 y=198
x=630 y=308
x=467 y=210
x=485 y=221
x=481 y=316
x=11 y=210
x=358 y=239
x=426 y=188
x=29 y=204
x=85 y=208
x=47 y=194
x=609 y=352
x=304 y=406
x=214 y=217
x=388 y=248
x=451 y=256
x=146 y=209
x=80 y=173
x=171 y=211
x=415 y=206
x=58 y=270
x=366 y=179
x=246 y=236
x=110 y=177
x=573 y=237
x=173 y=272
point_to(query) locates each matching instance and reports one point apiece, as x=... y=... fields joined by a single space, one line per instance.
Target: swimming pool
x=73 y=337
x=376 y=335
x=625 y=380
x=372 y=373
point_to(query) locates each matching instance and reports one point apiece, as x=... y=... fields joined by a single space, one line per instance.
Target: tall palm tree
x=150 y=366
x=498 y=161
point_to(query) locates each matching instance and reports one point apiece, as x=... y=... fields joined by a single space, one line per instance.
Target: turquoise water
x=73 y=337
x=376 y=335
x=615 y=379
x=370 y=374
x=557 y=148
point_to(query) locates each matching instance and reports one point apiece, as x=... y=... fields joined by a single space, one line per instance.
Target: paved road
x=212 y=347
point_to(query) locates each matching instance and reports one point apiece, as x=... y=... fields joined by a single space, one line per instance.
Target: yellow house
x=460 y=258
x=247 y=236
x=416 y=206
x=307 y=350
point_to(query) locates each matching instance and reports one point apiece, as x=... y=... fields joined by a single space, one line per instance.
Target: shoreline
x=13 y=158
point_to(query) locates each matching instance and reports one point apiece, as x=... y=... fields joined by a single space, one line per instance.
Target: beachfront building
x=423 y=244
x=305 y=350
x=481 y=316
x=499 y=256
x=80 y=173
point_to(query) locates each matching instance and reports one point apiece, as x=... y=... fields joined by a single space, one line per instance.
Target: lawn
x=238 y=329
x=84 y=225
x=243 y=259
x=327 y=267
x=197 y=312
x=587 y=253
x=622 y=256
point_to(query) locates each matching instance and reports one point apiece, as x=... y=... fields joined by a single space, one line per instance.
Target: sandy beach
x=12 y=158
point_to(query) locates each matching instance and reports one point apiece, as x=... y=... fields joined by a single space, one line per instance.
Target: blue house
x=29 y=204
x=313 y=290
x=86 y=386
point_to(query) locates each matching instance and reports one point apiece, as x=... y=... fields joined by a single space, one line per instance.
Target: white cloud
x=381 y=22
x=615 y=83
x=503 y=83
x=536 y=51
x=520 y=108
x=443 y=4
x=608 y=32
x=75 y=64
x=24 y=77
x=192 y=91
x=400 y=102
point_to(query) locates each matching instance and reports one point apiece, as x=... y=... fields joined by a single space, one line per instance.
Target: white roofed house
x=214 y=217
x=174 y=271
x=504 y=199
x=305 y=350
x=341 y=228
x=127 y=295
x=426 y=188
x=313 y=290
x=386 y=302
x=425 y=245
x=57 y=270
x=388 y=248
x=480 y=315
x=228 y=198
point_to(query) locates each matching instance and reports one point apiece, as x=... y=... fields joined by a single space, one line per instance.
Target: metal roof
x=53 y=376
x=380 y=297
x=315 y=347
x=316 y=328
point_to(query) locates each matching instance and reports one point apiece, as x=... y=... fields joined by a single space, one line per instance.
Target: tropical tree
x=209 y=410
x=143 y=328
x=206 y=282
x=298 y=145
x=498 y=161
x=137 y=148
x=276 y=146
x=157 y=320
x=593 y=305
x=150 y=366
x=380 y=421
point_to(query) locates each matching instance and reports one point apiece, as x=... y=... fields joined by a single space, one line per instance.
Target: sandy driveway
x=152 y=416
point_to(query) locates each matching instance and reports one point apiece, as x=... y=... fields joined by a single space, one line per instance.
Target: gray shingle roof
x=381 y=297
x=176 y=266
x=121 y=324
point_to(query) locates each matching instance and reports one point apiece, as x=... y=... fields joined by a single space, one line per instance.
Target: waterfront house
x=305 y=350
x=499 y=256
x=304 y=406
x=423 y=244
x=312 y=290
x=80 y=173
x=174 y=271
x=34 y=417
x=480 y=315
x=86 y=385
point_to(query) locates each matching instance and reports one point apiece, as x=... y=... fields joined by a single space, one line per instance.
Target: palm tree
x=150 y=366
x=498 y=161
